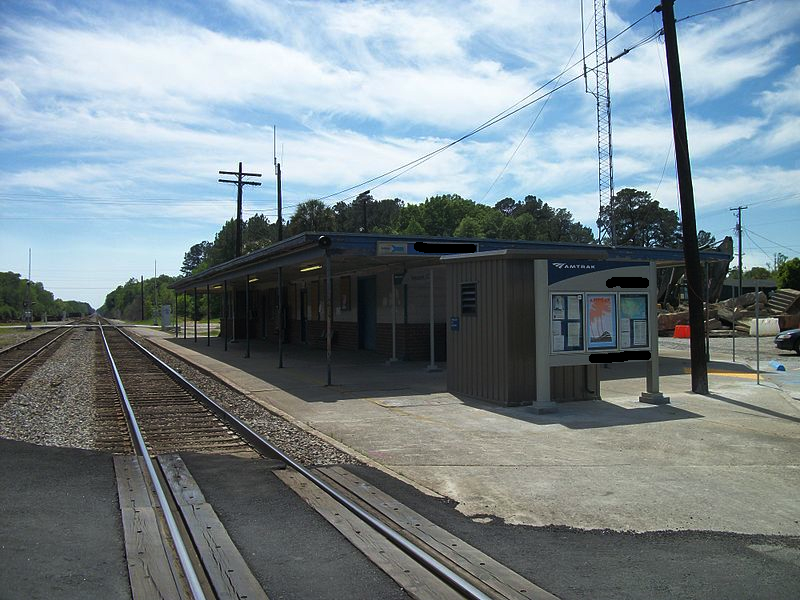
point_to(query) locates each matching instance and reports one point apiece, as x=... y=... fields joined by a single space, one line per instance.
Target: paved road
x=754 y=352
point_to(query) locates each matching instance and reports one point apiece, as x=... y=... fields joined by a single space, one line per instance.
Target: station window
x=469 y=298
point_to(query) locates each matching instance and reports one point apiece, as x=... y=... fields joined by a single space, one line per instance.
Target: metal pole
x=394 y=321
x=328 y=312
x=185 y=309
x=247 y=314
x=758 y=340
x=708 y=285
x=194 y=315
x=208 y=315
x=232 y=306
x=432 y=366
x=224 y=328
x=280 y=317
x=733 y=333
x=176 y=314
x=142 y=295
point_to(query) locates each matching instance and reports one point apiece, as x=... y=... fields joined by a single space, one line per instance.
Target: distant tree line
x=14 y=297
x=126 y=301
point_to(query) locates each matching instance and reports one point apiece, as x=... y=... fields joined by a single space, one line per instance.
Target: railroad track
x=176 y=546
x=423 y=559
x=171 y=414
x=18 y=362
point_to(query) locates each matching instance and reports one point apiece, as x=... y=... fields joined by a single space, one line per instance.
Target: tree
x=312 y=215
x=469 y=227
x=442 y=214
x=196 y=255
x=788 y=275
x=758 y=273
x=506 y=206
x=641 y=221
x=705 y=239
x=224 y=247
x=258 y=233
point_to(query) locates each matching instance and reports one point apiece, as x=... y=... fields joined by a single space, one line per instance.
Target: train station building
x=513 y=321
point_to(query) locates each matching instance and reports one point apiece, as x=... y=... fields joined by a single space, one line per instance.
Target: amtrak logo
x=560 y=265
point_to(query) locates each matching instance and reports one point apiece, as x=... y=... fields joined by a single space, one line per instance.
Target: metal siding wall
x=478 y=362
x=522 y=374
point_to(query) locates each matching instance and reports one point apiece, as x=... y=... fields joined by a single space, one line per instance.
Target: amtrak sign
x=559 y=270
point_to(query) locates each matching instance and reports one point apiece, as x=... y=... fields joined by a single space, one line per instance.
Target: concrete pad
x=726 y=462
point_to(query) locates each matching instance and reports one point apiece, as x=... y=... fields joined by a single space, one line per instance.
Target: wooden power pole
x=691 y=253
x=240 y=182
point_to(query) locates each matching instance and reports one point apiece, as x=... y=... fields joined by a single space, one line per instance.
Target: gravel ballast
x=55 y=407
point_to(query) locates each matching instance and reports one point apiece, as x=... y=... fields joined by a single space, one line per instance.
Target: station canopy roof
x=370 y=252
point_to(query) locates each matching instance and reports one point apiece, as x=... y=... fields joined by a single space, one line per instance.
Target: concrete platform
x=728 y=462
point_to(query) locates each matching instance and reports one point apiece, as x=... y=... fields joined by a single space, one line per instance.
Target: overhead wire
x=538 y=114
x=511 y=110
x=774 y=245
x=705 y=12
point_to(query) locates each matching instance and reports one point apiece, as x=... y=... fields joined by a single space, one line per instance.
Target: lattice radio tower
x=605 y=167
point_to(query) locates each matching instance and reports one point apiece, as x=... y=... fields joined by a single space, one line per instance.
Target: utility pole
x=239 y=184
x=278 y=175
x=280 y=237
x=691 y=252
x=364 y=197
x=739 y=209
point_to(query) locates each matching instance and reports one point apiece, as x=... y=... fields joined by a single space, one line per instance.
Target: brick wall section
x=413 y=341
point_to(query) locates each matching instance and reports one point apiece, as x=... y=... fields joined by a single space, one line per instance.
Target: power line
x=776 y=244
x=705 y=12
x=511 y=110
x=530 y=128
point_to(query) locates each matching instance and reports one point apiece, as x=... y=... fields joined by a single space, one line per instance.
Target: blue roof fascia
x=364 y=244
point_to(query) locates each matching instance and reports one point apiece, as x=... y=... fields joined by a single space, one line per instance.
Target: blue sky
x=116 y=117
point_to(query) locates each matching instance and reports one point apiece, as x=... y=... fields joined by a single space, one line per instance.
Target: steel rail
x=180 y=547
x=29 y=358
x=439 y=569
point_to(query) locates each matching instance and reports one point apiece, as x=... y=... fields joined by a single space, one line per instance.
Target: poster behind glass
x=601 y=310
x=566 y=322
x=633 y=327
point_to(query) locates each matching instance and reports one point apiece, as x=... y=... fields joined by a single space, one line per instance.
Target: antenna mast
x=605 y=169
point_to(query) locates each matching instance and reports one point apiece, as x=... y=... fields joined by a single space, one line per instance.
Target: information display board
x=567 y=318
x=633 y=329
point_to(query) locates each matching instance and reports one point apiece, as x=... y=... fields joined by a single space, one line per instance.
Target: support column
x=432 y=366
x=194 y=315
x=280 y=313
x=232 y=306
x=247 y=314
x=208 y=315
x=328 y=312
x=176 y=315
x=541 y=324
x=394 y=320
x=185 y=306
x=653 y=395
x=224 y=322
